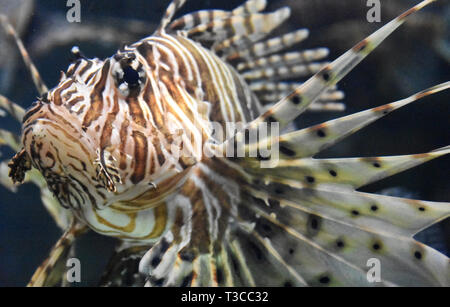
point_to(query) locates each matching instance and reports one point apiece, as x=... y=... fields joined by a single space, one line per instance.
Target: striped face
x=118 y=139
x=98 y=138
x=126 y=130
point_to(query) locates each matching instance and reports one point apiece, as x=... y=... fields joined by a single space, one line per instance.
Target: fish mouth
x=61 y=154
x=44 y=143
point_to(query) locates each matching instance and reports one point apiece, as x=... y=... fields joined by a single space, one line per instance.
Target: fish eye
x=129 y=74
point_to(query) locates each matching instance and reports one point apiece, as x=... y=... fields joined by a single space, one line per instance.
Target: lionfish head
x=94 y=140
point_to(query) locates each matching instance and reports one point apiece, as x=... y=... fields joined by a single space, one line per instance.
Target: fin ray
x=293 y=105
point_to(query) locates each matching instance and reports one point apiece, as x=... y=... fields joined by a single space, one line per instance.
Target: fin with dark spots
x=311 y=221
x=283 y=72
x=317 y=250
x=240 y=37
x=354 y=172
x=122 y=269
x=171 y=10
x=293 y=105
x=262 y=24
x=183 y=261
x=192 y=20
x=302 y=221
x=166 y=264
x=326 y=106
x=267 y=47
x=170 y=264
x=250 y=7
x=309 y=141
x=196 y=251
x=380 y=214
x=271 y=92
x=290 y=58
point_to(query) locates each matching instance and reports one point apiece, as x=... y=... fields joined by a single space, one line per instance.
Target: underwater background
x=416 y=57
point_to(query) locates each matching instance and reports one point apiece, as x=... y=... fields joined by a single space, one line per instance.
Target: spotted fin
x=271 y=92
x=122 y=268
x=171 y=10
x=352 y=172
x=293 y=105
x=306 y=224
x=322 y=136
x=237 y=26
x=290 y=58
x=316 y=250
x=192 y=20
x=250 y=7
x=237 y=36
x=269 y=46
x=169 y=263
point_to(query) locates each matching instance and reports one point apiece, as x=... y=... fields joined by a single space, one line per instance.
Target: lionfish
x=105 y=139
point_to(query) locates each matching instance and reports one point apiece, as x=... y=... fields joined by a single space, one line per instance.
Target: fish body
x=106 y=153
x=129 y=144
